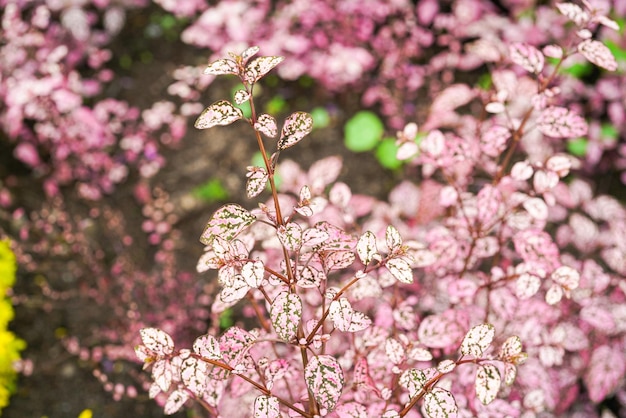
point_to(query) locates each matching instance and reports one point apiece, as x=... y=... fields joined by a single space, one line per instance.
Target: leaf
x=414 y=380
x=226 y=222
x=219 y=113
x=252 y=273
x=439 y=403
x=441 y=330
x=313 y=237
x=511 y=348
x=157 y=341
x=193 y=373
x=345 y=318
x=297 y=126
x=527 y=285
x=290 y=236
x=393 y=238
x=259 y=67
x=175 y=401
x=266 y=407
x=222 y=66
x=241 y=96
x=309 y=277
x=363 y=131
x=487 y=383
x=554 y=294
x=324 y=378
x=286 y=313
x=605 y=372
x=477 y=340
x=527 y=56
x=266 y=124
x=162 y=374
x=235 y=291
x=400 y=269
x=559 y=122
x=566 y=276
x=249 y=53
x=337 y=260
x=366 y=247
x=394 y=350
x=597 y=53
x=257 y=180
x=574 y=13
x=446 y=366
x=207 y=346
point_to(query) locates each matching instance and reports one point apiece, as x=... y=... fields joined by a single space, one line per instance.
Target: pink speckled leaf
x=605 y=372
x=313 y=237
x=226 y=222
x=162 y=374
x=222 y=66
x=157 y=341
x=574 y=13
x=241 y=96
x=527 y=56
x=439 y=403
x=249 y=53
x=477 y=339
x=366 y=247
x=414 y=380
x=394 y=350
x=337 y=260
x=597 y=53
x=175 y=401
x=393 y=238
x=252 y=272
x=290 y=235
x=234 y=291
x=400 y=269
x=266 y=407
x=511 y=349
x=193 y=373
x=257 y=180
x=286 y=313
x=324 y=378
x=219 y=113
x=487 y=383
x=560 y=122
x=566 y=276
x=260 y=66
x=345 y=318
x=266 y=124
x=297 y=126
x=207 y=346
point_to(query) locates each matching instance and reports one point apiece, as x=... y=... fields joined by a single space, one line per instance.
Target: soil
x=61 y=385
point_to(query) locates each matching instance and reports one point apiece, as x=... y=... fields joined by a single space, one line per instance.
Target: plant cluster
x=495 y=287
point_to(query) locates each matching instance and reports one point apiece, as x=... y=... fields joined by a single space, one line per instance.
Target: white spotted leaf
x=393 y=238
x=221 y=112
x=597 y=53
x=286 y=313
x=324 y=378
x=193 y=373
x=290 y=235
x=252 y=273
x=157 y=341
x=477 y=340
x=266 y=124
x=400 y=269
x=487 y=383
x=345 y=318
x=259 y=67
x=297 y=126
x=366 y=247
x=527 y=56
x=222 y=66
x=162 y=374
x=226 y=222
x=234 y=291
x=208 y=347
x=439 y=403
x=175 y=401
x=266 y=407
x=257 y=180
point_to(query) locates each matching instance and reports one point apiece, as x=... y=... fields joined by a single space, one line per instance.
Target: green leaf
x=321 y=118
x=386 y=154
x=618 y=53
x=363 y=131
x=608 y=132
x=211 y=191
x=577 y=147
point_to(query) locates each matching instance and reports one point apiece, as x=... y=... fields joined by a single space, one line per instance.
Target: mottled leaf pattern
x=259 y=67
x=394 y=350
x=226 y=222
x=241 y=96
x=252 y=273
x=208 y=347
x=324 y=378
x=286 y=313
x=309 y=277
x=266 y=407
x=414 y=380
x=527 y=285
x=297 y=126
x=219 y=113
x=574 y=12
x=560 y=122
x=235 y=290
x=439 y=403
x=566 y=276
x=345 y=318
x=290 y=236
x=527 y=56
x=477 y=340
x=400 y=269
x=175 y=401
x=597 y=53
x=337 y=260
x=257 y=181
x=366 y=247
x=393 y=238
x=193 y=373
x=222 y=66
x=162 y=374
x=249 y=53
x=606 y=371
x=487 y=383
x=266 y=124
x=157 y=341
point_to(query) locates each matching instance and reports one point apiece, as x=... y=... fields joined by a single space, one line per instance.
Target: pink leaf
x=439 y=403
x=157 y=341
x=226 y=222
x=440 y=331
x=313 y=237
x=393 y=239
x=566 y=276
x=337 y=260
x=597 y=53
x=487 y=383
x=559 y=122
x=266 y=124
x=162 y=374
x=324 y=378
x=290 y=236
x=494 y=141
x=400 y=269
x=222 y=66
x=259 y=67
x=175 y=401
x=527 y=56
x=605 y=373
x=366 y=247
x=297 y=126
x=446 y=366
x=193 y=373
x=527 y=285
x=266 y=407
x=241 y=96
x=249 y=53
x=309 y=277
x=252 y=273
x=219 y=113
x=574 y=13
x=414 y=380
x=234 y=291
x=286 y=313
x=488 y=202
x=207 y=346
x=257 y=180
x=477 y=340
x=345 y=318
